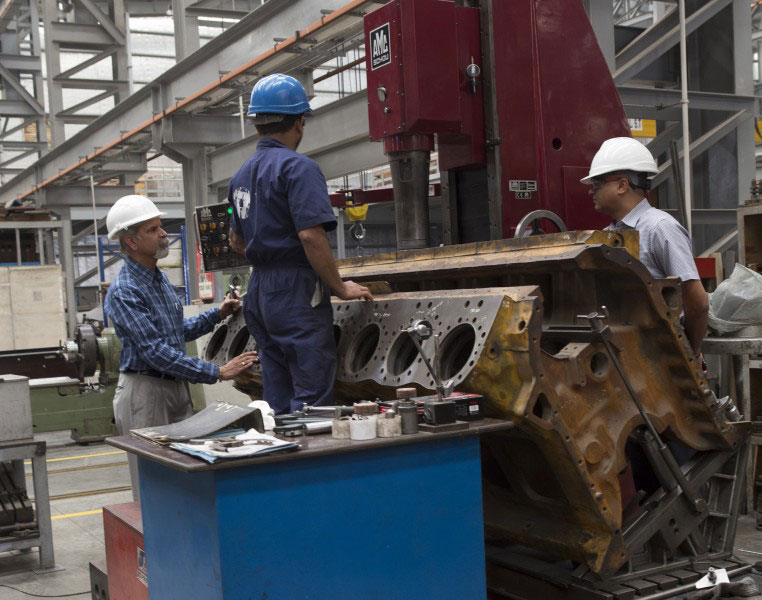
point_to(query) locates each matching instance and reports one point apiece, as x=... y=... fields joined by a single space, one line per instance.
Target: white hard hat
x=130 y=210
x=621 y=154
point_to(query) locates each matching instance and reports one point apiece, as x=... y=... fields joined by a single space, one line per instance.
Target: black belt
x=151 y=373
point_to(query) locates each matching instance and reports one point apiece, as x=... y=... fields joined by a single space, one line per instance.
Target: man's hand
x=700 y=362
x=237 y=243
x=231 y=304
x=352 y=291
x=239 y=364
x=320 y=255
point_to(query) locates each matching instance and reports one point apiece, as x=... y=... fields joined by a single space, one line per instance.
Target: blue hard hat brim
x=269 y=116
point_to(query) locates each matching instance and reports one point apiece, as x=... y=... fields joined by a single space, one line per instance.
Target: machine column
x=409 y=157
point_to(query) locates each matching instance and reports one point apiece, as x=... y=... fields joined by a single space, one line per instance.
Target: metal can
x=409 y=413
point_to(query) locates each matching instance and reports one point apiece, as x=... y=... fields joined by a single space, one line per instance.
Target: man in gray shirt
x=618 y=182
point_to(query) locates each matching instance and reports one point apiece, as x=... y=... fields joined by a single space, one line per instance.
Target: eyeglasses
x=597 y=182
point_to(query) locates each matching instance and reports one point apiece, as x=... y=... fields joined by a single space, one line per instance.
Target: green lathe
x=72 y=387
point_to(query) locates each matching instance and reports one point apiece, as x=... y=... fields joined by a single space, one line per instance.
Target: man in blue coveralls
x=281 y=212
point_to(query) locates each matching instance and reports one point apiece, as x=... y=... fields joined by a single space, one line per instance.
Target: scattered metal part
x=318 y=427
x=365 y=408
x=326 y=410
x=408 y=411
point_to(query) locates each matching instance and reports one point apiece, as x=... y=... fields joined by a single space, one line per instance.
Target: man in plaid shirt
x=148 y=318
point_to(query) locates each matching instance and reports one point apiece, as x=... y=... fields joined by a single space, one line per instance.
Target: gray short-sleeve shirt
x=665 y=248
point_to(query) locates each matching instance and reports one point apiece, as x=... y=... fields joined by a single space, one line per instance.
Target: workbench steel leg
x=402 y=522
x=42 y=510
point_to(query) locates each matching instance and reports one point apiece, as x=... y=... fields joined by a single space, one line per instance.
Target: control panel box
x=212 y=230
x=412 y=68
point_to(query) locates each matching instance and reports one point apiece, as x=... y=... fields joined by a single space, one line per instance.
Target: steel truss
x=22 y=110
x=191 y=113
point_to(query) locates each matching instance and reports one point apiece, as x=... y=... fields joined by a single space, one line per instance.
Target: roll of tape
x=340 y=429
x=387 y=428
x=362 y=429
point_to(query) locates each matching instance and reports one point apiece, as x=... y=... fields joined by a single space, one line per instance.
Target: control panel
x=212 y=229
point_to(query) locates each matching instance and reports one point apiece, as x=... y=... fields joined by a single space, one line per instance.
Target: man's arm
x=132 y=317
x=319 y=253
x=195 y=327
x=237 y=243
x=696 y=308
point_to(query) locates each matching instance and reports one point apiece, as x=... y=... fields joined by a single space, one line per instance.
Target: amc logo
x=380 y=47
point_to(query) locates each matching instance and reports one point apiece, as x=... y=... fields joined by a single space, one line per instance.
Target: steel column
x=196 y=193
x=602 y=20
x=744 y=85
x=66 y=254
x=186 y=30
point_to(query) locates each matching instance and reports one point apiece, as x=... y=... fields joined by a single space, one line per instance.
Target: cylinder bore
x=456 y=350
x=238 y=345
x=216 y=342
x=363 y=347
x=402 y=354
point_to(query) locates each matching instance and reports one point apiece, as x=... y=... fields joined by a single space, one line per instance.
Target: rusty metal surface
x=553 y=481
x=479 y=260
x=507 y=313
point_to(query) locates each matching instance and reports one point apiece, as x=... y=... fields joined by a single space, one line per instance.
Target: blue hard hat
x=278 y=94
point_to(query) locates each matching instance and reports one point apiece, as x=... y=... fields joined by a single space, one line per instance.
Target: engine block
x=510 y=319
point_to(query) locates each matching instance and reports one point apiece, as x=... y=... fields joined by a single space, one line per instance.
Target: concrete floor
x=83 y=479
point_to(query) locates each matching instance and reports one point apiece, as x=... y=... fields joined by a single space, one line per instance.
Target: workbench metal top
x=312 y=446
x=732 y=345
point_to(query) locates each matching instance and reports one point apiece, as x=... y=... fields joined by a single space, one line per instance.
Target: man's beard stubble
x=163 y=250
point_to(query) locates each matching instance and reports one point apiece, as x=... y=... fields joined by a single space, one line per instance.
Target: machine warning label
x=381 y=47
x=523 y=188
x=522 y=185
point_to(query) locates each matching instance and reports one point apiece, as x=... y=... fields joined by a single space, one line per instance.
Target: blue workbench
x=384 y=519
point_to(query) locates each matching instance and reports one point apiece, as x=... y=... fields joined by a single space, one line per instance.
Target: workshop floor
x=85 y=478
x=82 y=479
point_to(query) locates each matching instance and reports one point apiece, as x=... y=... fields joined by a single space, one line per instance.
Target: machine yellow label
x=644 y=128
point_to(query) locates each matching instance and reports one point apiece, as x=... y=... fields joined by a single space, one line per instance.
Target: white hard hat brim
x=605 y=170
x=114 y=234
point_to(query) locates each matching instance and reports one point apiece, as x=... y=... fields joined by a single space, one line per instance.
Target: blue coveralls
x=275 y=194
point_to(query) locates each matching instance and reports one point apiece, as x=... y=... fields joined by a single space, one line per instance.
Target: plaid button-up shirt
x=148 y=318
